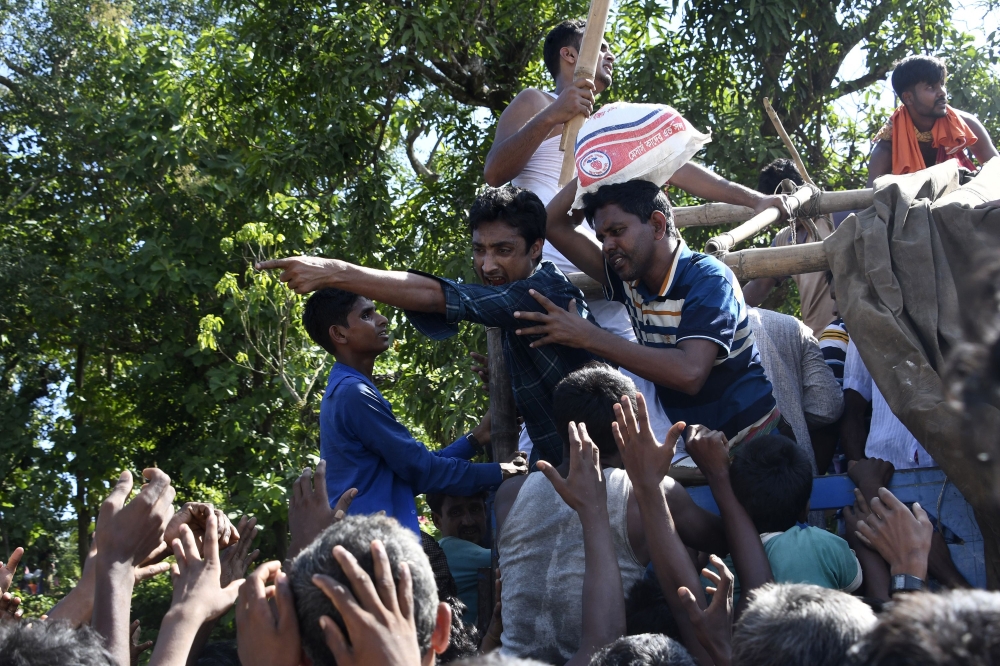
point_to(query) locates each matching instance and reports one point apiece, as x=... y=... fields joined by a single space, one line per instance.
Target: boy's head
x=51 y=643
x=588 y=395
x=628 y=219
x=508 y=230
x=568 y=35
x=459 y=516
x=340 y=320
x=919 y=82
x=952 y=628
x=799 y=624
x=355 y=534
x=772 y=478
x=643 y=650
x=770 y=177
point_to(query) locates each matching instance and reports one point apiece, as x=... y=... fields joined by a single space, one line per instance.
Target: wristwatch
x=905 y=583
x=479 y=447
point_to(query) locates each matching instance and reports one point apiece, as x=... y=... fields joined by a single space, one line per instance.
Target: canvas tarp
x=900 y=268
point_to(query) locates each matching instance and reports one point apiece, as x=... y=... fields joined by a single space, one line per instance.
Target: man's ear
x=441 y=635
x=536 y=250
x=437 y=520
x=338 y=334
x=569 y=54
x=906 y=97
x=659 y=223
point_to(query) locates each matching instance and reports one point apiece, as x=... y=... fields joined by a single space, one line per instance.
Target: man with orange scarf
x=925 y=130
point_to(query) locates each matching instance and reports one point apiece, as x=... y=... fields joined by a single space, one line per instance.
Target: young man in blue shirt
x=364 y=445
x=507 y=225
x=687 y=309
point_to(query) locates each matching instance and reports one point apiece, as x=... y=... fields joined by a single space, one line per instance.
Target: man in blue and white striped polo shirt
x=687 y=310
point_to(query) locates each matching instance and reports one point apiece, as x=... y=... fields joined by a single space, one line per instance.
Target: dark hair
x=799 y=624
x=588 y=395
x=496 y=659
x=567 y=33
x=51 y=643
x=954 y=627
x=325 y=308
x=917 y=69
x=219 y=653
x=643 y=650
x=355 y=534
x=516 y=206
x=463 y=643
x=772 y=478
x=647 y=611
x=636 y=197
x=435 y=501
x=771 y=176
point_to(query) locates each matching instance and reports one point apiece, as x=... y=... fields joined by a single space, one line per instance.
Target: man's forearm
x=853 y=434
x=749 y=558
x=396 y=288
x=112 y=606
x=671 y=368
x=701 y=182
x=672 y=564
x=561 y=230
x=507 y=159
x=603 y=594
x=177 y=636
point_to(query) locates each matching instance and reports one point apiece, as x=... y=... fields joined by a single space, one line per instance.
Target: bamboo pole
x=715 y=214
x=778 y=261
x=723 y=242
x=776 y=121
x=587 y=61
x=503 y=413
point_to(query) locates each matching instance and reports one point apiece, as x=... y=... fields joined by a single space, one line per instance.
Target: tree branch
x=422 y=170
x=14 y=88
x=860 y=83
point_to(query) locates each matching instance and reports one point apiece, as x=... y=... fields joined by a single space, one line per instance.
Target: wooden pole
x=776 y=121
x=778 y=261
x=587 y=61
x=715 y=214
x=723 y=242
x=503 y=432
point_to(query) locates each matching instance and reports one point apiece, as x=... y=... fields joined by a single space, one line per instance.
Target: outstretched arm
x=397 y=288
x=699 y=181
x=880 y=163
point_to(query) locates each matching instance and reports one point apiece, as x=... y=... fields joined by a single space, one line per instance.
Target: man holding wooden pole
x=526 y=152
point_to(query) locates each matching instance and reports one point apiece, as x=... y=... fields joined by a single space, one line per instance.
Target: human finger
x=273 y=263
x=921 y=515
x=860 y=502
x=180 y=563
x=531 y=315
x=633 y=425
x=342 y=599
x=157 y=482
x=866 y=532
x=384 y=584
x=335 y=640
x=344 y=503
x=726 y=577
x=212 y=538
x=674 y=434
x=150 y=571
x=298 y=487
x=543 y=300
x=121 y=491
x=15 y=559
x=558 y=483
x=891 y=502
x=690 y=604
x=190 y=544
x=405 y=591
x=878 y=508
x=361 y=582
x=715 y=578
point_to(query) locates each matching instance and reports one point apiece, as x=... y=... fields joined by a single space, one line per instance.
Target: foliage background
x=152 y=149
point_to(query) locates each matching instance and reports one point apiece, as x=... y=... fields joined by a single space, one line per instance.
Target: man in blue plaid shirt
x=508 y=229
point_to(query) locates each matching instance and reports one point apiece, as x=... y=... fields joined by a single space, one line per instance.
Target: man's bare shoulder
x=504 y=500
x=530 y=100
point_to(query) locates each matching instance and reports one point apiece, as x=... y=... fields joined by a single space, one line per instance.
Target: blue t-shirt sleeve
x=711 y=311
x=370 y=417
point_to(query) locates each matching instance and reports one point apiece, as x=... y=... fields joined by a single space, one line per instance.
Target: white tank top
x=541 y=557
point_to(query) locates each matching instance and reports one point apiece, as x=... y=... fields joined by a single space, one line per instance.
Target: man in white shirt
x=888 y=438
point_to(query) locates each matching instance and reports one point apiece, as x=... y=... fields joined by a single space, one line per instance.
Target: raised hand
x=135 y=647
x=902 y=538
x=870 y=474
x=575 y=100
x=557 y=326
x=197 y=581
x=647 y=461
x=130 y=532
x=195 y=515
x=583 y=489
x=378 y=617
x=237 y=558
x=9 y=610
x=309 y=511
x=7 y=570
x=709 y=449
x=779 y=201
x=266 y=637
x=714 y=625
x=302 y=274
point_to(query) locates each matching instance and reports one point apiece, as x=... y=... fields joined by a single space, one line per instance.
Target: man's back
x=541 y=557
